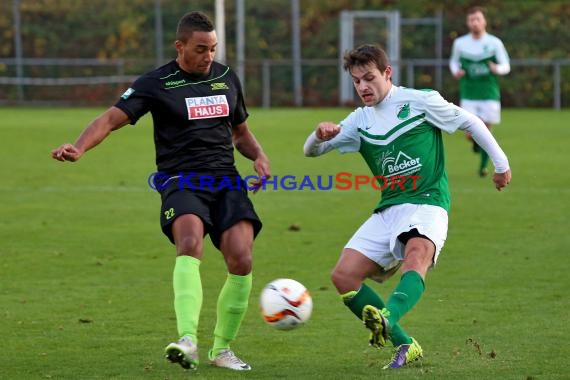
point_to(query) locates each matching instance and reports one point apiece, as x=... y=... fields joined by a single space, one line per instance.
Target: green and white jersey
x=400 y=139
x=472 y=55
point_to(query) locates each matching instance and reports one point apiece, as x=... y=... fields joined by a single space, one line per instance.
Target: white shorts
x=377 y=238
x=487 y=110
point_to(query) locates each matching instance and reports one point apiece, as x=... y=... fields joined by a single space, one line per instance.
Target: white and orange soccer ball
x=286 y=304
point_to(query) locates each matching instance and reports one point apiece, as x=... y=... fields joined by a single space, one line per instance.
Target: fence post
x=266 y=83
x=221 y=31
x=296 y=43
x=557 y=90
x=18 y=47
x=240 y=41
x=410 y=73
x=158 y=33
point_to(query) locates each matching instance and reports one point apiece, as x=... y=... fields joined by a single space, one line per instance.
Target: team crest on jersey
x=206 y=107
x=402 y=164
x=220 y=86
x=404 y=111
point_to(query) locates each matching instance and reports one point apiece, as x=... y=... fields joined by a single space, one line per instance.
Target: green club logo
x=404 y=111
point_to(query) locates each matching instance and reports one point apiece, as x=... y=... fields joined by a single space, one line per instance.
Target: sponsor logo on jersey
x=206 y=107
x=127 y=93
x=478 y=69
x=401 y=165
x=404 y=111
x=174 y=83
x=220 y=86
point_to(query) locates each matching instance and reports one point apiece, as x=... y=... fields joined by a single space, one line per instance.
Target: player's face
x=370 y=83
x=197 y=54
x=476 y=23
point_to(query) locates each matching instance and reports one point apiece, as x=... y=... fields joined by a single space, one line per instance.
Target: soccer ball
x=285 y=304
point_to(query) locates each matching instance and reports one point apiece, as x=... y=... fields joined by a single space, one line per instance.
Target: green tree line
x=110 y=29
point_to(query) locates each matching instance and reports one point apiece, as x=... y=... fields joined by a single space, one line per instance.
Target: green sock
x=232 y=305
x=405 y=296
x=187 y=295
x=484 y=160
x=356 y=300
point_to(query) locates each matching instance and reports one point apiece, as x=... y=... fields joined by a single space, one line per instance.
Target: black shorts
x=219 y=208
x=406 y=236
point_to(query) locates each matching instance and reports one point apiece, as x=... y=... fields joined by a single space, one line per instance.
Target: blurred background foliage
x=108 y=29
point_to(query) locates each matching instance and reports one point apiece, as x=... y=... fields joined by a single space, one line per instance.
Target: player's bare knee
x=336 y=277
x=238 y=260
x=240 y=266
x=343 y=281
x=189 y=245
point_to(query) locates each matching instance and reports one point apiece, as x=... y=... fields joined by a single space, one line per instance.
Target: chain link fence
x=78 y=52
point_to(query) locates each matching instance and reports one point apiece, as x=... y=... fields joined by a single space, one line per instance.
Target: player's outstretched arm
x=93 y=134
x=316 y=144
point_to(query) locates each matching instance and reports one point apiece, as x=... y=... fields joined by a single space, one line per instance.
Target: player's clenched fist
x=502 y=179
x=327 y=130
x=66 y=152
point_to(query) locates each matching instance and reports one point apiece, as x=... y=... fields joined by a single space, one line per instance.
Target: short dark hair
x=193 y=22
x=365 y=54
x=476 y=9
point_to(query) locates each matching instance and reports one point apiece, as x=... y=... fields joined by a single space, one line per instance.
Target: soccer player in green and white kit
x=398 y=132
x=477 y=58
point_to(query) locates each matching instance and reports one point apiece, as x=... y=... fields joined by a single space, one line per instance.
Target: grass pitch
x=85 y=273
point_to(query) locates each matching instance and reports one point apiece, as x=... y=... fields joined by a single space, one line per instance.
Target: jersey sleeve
x=240 y=113
x=315 y=147
x=487 y=142
x=136 y=100
x=348 y=140
x=503 y=61
x=454 y=65
x=443 y=114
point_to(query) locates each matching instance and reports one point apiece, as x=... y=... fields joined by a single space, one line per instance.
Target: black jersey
x=192 y=115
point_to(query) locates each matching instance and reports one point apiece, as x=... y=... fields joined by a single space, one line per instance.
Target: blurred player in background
x=199 y=114
x=398 y=132
x=477 y=58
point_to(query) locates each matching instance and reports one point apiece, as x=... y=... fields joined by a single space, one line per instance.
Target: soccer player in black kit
x=199 y=115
